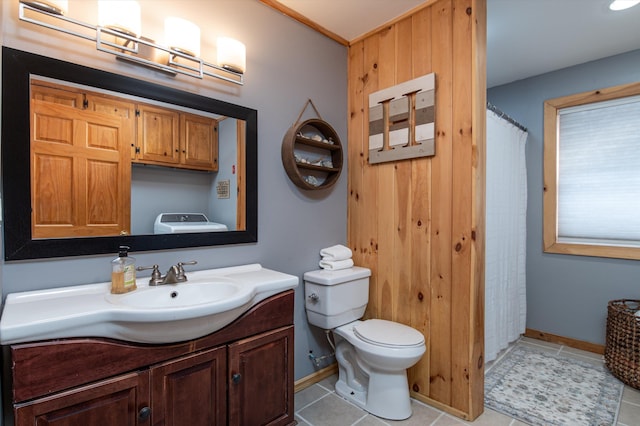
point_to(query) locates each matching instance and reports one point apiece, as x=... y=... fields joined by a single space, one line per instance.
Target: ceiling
x=524 y=37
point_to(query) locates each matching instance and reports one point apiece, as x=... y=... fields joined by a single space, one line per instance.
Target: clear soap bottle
x=123 y=272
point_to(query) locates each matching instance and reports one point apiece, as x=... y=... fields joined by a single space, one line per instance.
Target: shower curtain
x=505 y=250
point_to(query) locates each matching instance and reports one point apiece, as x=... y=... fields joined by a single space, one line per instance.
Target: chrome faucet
x=174 y=275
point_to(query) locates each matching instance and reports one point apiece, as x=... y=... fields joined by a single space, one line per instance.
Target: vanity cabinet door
x=122 y=401
x=199 y=142
x=261 y=379
x=190 y=390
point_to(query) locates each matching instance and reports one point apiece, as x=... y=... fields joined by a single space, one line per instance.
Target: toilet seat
x=388 y=334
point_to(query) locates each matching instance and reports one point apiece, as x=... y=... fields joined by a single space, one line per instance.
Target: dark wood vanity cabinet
x=191 y=390
x=261 y=370
x=240 y=375
x=110 y=402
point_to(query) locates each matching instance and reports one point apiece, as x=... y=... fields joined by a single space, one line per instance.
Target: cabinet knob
x=144 y=414
x=236 y=378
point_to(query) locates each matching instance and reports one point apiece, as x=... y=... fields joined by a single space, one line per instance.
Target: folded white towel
x=334 y=265
x=337 y=252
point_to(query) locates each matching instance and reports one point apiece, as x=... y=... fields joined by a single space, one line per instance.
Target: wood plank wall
x=419 y=224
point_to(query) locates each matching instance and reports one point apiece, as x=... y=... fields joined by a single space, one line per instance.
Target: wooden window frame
x=550 y=193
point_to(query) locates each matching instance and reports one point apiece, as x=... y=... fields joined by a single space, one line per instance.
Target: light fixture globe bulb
x=120 y=15
x=622 y=4
x=182 y=36
x=232 y=55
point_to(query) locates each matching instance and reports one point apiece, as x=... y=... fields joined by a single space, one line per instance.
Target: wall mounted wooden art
x=312 y=152
x=401 y=121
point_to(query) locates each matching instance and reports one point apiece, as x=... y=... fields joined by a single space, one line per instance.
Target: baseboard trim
x=443 y=407
x=567 y=341
x=316 y=377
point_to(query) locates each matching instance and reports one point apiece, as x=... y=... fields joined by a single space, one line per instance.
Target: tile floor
x=318 y=405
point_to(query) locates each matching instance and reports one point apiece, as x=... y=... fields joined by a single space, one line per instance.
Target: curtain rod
x=503 y=115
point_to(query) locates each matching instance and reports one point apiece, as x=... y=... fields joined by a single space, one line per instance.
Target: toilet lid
x=388 y=333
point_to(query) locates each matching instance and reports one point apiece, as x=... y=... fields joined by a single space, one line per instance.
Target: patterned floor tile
x=308 y=395
x=318 y=405
x=331 y=411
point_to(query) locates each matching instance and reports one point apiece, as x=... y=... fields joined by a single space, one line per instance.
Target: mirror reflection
x=92 y=160
x=107 y=164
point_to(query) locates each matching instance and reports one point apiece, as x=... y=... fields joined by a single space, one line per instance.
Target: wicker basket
x=622 y=350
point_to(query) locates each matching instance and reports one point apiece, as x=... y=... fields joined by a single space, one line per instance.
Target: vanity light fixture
x=622 y=4
x=58 y=7
x=231 y=54
x=120 y=15
x=119 y=33
x=182 y=35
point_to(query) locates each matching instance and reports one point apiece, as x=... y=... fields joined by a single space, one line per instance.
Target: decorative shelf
x=312 y=154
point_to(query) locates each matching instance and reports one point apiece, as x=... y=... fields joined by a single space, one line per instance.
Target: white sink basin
x=179 y=296
x=207 y=302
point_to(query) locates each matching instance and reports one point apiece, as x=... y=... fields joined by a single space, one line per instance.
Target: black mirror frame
x=17 y=68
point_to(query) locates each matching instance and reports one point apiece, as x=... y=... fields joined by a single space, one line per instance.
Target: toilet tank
x=335 y=298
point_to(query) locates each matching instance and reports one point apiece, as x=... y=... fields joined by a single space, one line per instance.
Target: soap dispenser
x=123 y=272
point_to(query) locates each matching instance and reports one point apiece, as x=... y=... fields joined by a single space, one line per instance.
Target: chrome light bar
x=138 y=50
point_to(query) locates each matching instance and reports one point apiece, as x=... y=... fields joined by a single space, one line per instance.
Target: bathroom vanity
x=240 y=374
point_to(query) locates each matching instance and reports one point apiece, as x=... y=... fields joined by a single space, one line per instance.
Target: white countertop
x=92 y=311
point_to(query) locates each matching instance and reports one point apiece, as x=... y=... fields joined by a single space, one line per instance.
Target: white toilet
x=372 y=355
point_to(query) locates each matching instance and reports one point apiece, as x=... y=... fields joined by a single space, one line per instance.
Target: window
x=592 y=173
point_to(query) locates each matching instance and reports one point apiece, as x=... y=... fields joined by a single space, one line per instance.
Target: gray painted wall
x=156 y=190
x=287 y=64
x=566 y=295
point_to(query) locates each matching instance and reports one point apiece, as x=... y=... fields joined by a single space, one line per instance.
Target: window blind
x=599 y=173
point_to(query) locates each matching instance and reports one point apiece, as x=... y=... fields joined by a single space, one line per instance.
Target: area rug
x=540 y=388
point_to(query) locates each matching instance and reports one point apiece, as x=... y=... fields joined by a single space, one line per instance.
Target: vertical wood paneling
x=420 y=215
x=440 y=280
x=386 y=189
x=479 y=121
x=355 y=152
x=368 y=217
x=419 y=224
x=462 y=201
x=403 y=248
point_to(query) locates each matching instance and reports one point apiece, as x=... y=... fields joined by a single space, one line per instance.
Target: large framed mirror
x=34 y=178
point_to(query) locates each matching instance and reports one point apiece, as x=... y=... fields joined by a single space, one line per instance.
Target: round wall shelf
x=312 y=154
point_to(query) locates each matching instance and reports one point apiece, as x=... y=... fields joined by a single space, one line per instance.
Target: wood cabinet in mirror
x=35 y=222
